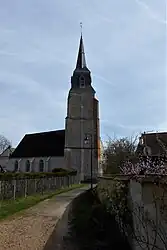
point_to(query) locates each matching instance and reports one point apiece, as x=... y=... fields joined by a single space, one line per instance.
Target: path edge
x=50 y=243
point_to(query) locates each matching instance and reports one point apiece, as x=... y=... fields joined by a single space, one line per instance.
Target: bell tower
x=82 y=122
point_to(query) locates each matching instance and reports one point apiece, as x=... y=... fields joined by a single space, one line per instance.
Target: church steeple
x=81 y=61
x=81 y=121
x=81 y=76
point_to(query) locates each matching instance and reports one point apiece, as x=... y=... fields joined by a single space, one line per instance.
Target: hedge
x=38 y=175
x=56 y=170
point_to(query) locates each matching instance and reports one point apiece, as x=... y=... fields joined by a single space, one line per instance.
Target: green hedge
x=55 y=170
x=64 y=170
x=7 y=176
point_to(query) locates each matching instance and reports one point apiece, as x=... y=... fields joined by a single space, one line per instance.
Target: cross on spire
x=81 y=27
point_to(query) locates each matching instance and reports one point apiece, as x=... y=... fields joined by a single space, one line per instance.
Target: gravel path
x=32 y=229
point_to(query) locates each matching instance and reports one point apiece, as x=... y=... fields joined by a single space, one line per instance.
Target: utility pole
x=89 y=139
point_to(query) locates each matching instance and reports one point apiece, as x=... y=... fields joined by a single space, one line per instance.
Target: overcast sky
x=125 y=46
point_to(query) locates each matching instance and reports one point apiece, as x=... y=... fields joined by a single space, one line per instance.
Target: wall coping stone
x=151 y=178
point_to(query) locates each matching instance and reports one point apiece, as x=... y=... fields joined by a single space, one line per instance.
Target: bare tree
x=4 y=143
x=117 y=152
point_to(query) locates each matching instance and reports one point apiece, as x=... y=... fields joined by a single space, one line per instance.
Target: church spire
x=81 y=77
x=81 y=61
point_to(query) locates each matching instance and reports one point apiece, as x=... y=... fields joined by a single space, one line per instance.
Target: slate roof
x=43 y=144
x=81 y=61
x=155 y=142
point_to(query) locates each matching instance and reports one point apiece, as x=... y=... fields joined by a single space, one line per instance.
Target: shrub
x=8 y=176
x=65 y=171
x=57 y=170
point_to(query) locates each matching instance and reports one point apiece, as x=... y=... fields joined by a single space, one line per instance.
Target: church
x=78 y=145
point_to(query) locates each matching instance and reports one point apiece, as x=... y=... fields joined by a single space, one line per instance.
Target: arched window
x=27 y=166
x=16 y=166
x=82 y=82
x=41 y=166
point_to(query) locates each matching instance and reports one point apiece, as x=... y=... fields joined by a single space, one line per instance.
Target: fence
x=15 y=188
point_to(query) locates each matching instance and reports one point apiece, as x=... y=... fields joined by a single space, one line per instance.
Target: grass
x=10 y=207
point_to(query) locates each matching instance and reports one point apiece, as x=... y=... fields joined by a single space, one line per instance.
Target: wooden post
x=0 y=190
x=14 y=189
x=68 y=180
x=35 y=186
x=25 y=191
x=42 y=185
x=55 y=182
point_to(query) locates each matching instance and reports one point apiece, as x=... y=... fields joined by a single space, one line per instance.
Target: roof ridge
x=49 y=143
x=44 y=132
x=154 y=133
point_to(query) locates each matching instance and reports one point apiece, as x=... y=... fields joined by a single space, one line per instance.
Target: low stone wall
x=15 y=188
x=146 y=200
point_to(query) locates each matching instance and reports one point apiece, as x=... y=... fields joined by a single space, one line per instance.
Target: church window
x=16 y=166
x=41 y=166
x=82 y=82
x=27 y=166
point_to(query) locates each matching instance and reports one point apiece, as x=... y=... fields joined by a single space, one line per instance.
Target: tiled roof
x=43 y=144
x=81 y=61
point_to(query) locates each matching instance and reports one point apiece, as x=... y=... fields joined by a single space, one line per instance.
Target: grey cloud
x=125 y=51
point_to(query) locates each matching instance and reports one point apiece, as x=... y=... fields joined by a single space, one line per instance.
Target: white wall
x=149 y=214
x=49 y=163
x=4 y=158
x=4 y=161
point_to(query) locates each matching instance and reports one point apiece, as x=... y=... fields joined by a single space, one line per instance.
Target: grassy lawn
x=10 y=207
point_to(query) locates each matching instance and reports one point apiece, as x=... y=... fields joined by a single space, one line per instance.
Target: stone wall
x=147 y=203
x=4 y=161
x=4 y=158
x=82 y=121
x=49 y=163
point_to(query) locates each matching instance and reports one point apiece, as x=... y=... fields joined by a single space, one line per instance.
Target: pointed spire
x=81 y=61
x=81 y=72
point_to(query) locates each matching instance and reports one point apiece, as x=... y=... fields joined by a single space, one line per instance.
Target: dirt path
x=32 y=229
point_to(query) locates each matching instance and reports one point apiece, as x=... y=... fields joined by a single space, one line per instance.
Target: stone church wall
x=49 y=163
x=4 y=160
